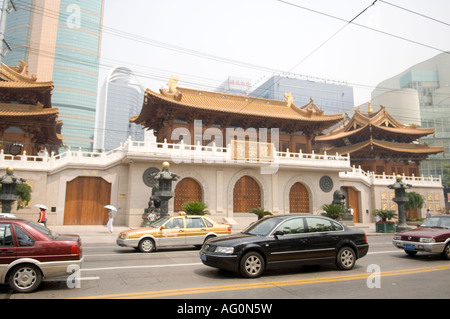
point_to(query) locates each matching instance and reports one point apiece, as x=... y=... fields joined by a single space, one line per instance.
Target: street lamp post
x=164 y=192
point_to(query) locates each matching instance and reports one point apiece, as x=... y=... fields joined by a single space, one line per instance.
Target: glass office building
x=60 y=40
x=332 y=98
x=120 y=97
x=431 y=80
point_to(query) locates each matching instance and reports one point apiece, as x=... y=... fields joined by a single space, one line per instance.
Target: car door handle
x=7 y=251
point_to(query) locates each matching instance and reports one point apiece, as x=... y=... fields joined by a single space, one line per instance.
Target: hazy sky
x=205 y=41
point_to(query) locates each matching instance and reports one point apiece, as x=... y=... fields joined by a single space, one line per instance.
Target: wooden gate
x=298 y=199
x=85 y=198
x=187 y=190
x=246 y=195
x=353 y=203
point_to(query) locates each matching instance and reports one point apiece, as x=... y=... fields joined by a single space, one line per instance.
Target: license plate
x=409 y=247
x=203 y=257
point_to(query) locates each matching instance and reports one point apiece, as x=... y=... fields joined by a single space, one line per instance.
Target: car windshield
x=436 y=222
x=47 y=232
x=159 y=222
x=262 y=227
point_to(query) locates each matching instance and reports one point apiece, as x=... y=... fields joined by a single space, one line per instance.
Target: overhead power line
x=365 y=27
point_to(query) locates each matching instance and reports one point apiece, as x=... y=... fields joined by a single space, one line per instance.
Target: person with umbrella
x=111 y=212
x=42 y=214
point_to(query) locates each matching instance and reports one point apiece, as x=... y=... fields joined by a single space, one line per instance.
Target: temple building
x=231 y=152
x=379 y=143
x=175 y=114
x=28 y=123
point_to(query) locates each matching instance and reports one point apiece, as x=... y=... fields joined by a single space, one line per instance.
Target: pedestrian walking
x=428 y=213
x=152 y=217
x=42 y=214
x=111 y=214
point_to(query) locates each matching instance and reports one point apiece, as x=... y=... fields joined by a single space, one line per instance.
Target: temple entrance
x=187 y=190
x=85 y=201
x=246 y=195
x=298 y=199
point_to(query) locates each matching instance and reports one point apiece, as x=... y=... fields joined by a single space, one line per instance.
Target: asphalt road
x=114 y=272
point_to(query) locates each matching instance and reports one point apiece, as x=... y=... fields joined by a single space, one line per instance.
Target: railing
x=384 y=179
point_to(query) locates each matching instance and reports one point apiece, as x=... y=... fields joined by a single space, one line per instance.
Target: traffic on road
x=111 y=271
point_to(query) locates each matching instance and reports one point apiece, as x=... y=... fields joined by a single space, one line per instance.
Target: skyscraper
x=60 y=41
x=120 y=98
x=430 y=80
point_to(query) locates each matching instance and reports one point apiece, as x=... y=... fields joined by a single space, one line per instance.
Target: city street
x=110 y=271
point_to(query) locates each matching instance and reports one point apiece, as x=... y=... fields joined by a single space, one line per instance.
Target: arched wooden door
x=85 y=201
x=187 y=190
x=353 y=203
x=246 y=195
x=298 y=199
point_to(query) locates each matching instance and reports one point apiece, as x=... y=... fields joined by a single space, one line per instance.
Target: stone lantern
x=7 y=193
x=401 y=199
x=164 y=193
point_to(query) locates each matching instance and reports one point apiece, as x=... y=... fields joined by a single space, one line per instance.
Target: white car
x=7 y=215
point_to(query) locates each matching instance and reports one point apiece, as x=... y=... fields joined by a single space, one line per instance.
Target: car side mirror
x=161 y=227
x=278 y=233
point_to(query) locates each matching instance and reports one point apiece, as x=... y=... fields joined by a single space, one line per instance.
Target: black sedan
x=286 y=240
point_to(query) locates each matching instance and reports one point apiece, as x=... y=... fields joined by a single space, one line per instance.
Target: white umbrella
x=111 y=207
x=41 y=206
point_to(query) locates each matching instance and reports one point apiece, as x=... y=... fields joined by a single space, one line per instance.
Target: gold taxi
x=185 y=230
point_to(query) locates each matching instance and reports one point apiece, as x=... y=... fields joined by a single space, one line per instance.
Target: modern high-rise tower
x=60 y=40
x=120 y=97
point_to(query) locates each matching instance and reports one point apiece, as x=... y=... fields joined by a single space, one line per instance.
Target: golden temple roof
x=380 y=121
x=237 y=104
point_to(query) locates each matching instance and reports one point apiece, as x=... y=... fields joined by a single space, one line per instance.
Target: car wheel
x=252 y=265
x=345 y=258
x=25 y=278
x=146 y=245
x=446 y=253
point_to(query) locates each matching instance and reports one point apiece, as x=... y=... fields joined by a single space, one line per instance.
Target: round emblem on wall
x=326 y=183
x=148 y=177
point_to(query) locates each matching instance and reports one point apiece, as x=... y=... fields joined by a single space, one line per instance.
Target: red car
x=30 y=252
x=433 y=236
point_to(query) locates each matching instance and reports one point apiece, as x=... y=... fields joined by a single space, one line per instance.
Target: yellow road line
x=259 y=285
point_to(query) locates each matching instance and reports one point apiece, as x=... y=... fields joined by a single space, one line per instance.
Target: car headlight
x=397 y=237
x=427 y=240
x=123 y=236
x=224 y=250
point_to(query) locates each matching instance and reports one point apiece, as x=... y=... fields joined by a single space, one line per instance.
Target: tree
x=415 y=201
x=447 y=175
x=195 y=208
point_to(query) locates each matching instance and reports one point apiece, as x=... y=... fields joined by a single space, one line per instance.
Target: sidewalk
x=98 y=234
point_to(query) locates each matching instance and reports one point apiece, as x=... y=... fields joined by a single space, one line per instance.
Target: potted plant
x=195 y=208
x=385 y=225
x=260 y=212
x=334 y=211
